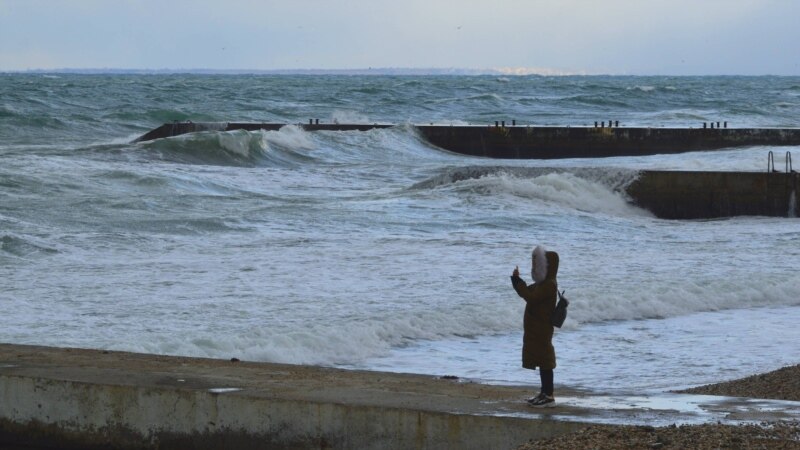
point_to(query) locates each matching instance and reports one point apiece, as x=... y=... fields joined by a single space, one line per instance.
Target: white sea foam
x=348 y=116
x=558 y=189
x=600 y=190
x=337 y=342
x=289 y=138
x=658 y=299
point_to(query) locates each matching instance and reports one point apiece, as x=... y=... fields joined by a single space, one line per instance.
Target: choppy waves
x=337 y=247
x=76 y=107
x=24 y=247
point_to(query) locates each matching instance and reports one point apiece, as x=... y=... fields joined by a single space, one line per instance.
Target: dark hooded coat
x=540 y=299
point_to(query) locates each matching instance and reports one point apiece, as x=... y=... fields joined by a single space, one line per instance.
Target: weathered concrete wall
x=91 y=399
x=84 y=414
x=699 y=195
x=525 y=142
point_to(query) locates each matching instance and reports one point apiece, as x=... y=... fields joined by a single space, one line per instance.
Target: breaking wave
x=587 y=189
x=288 y=147
x=291 y=146
x=340 y=341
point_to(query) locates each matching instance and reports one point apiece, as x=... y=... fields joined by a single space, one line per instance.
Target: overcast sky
x=572 y=36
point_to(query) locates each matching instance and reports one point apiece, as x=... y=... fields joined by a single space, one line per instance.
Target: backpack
x=560 y=313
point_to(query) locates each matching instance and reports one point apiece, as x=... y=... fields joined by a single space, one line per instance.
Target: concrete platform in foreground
x=93 y=398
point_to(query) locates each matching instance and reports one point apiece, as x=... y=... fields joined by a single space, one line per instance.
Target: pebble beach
x=782 y=384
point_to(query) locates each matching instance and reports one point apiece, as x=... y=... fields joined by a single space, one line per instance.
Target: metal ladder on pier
x=771 y=163
x=791 y=182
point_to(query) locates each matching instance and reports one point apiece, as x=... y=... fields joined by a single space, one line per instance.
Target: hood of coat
x=544 y=264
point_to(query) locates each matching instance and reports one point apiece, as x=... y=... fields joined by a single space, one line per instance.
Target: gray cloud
x=612 y=36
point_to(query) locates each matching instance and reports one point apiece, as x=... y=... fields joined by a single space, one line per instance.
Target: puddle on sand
x=656 y=410
x=682 y=409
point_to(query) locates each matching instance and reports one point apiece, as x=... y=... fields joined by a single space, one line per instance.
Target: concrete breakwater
x=536 y=142
x=667 y=194
x=706 y=195
x=73 y=398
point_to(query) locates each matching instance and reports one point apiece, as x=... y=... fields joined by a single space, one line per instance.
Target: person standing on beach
x=540 y=301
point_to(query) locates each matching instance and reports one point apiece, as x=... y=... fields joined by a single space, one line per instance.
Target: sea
x=375 y=250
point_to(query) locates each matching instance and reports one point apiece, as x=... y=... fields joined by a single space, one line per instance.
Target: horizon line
x=354 y=70
x=431 y=71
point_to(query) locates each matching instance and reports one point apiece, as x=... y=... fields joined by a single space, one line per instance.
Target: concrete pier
x=74 y=398
x=530 y=142
x=708 y=195
x=96 y=399
x=667 y=194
